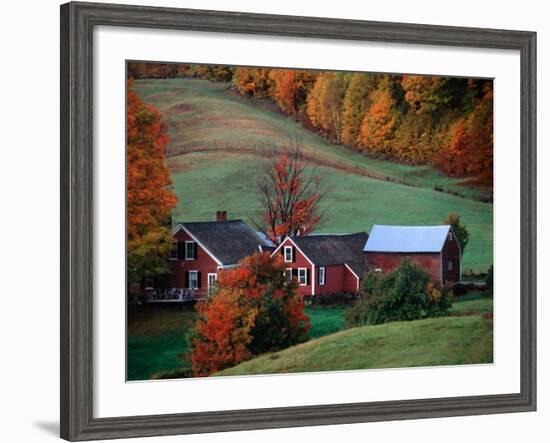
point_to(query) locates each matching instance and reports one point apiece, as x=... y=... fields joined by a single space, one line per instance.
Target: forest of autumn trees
x=442 y=121
x=149 y=197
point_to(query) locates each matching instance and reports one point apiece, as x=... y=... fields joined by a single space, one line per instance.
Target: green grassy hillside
x=218 y=143
x=431 y=342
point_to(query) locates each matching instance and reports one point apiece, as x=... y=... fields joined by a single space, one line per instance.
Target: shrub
x=254 y=310
x=406 y=293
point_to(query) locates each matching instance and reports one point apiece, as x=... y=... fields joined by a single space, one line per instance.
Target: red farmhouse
x=325 y=263
x=434 y=248
x=203 y=249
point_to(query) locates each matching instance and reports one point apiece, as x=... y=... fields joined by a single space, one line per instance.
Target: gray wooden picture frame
x=77 y=23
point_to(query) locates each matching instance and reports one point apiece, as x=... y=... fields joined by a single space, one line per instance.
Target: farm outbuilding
x=434 y=248
x=325 y=263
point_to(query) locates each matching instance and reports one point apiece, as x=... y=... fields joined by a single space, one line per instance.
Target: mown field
x=219 y=142
x=157 y=345
x=430 y=342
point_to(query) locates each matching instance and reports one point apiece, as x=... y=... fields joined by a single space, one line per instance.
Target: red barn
x=434 y=248
x=203 y=249
x=325 y=263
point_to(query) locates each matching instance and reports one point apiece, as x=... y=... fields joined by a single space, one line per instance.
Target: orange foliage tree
x=253 y=82
x=377 y=130
x=470 y=147
x=290 y=88
x=324 y=103
x=289 y=197
x=254 y=309
x=356 y=102
x=149 y=197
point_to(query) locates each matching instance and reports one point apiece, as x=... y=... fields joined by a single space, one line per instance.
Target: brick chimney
x=221 y=216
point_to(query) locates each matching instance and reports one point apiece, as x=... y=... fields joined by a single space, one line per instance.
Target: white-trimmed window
x=302 y=276
x=322 y=276
x=289 y=254
x=190 y=250
x=288 y=274
x=212 y=277
x=450 y=265
x=193 y=279
x=450 y=236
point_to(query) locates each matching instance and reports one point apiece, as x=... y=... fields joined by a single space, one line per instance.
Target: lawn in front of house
x=157 y=342
x=325 y=320
x=157 y=345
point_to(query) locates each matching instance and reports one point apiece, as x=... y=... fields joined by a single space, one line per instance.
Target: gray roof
x=406 y=238
x=229 y=241
x=334 y=249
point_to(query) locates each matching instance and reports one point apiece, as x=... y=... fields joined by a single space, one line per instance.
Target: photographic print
x=288 y=221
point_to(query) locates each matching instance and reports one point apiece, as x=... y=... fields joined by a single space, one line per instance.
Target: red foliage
x=289 y=198
x=232 y=324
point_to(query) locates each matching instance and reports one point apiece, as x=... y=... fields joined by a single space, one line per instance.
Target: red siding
x=388 y=261
x=451 y=253
x=334 y=280
x=300 y=261
x=350 y=281
x=203 y=263
x=337 y=277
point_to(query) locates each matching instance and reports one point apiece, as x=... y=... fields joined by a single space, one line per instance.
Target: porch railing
x=174 y=295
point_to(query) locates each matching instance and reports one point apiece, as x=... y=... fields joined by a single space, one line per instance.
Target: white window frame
x=196 y=279
x=288 y=274
x=449 y=265
x=188 y=242
x=173 y=254
x=288 y=248
x=211 y=286
x=322 y=275
x=300 y=276
x=450 y=236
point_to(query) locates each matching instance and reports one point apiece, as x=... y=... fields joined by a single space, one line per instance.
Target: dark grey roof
x=229 y=241
x=358 y=267
x=333 y=249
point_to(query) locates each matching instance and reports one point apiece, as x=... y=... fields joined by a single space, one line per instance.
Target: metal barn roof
x=406 y=238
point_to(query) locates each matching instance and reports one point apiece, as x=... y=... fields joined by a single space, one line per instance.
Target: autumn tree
x=324 y=104
x=149 y=197
x=376 y=133
x=480 y=139
x=252 y=82
x=215 y=73
x=255 y=309
x=460 y=230
x=355 y=103
x=423 y=93
x=290 y=197
x=290 y=88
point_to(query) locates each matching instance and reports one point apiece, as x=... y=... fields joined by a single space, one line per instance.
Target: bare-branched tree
x=290 y=195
